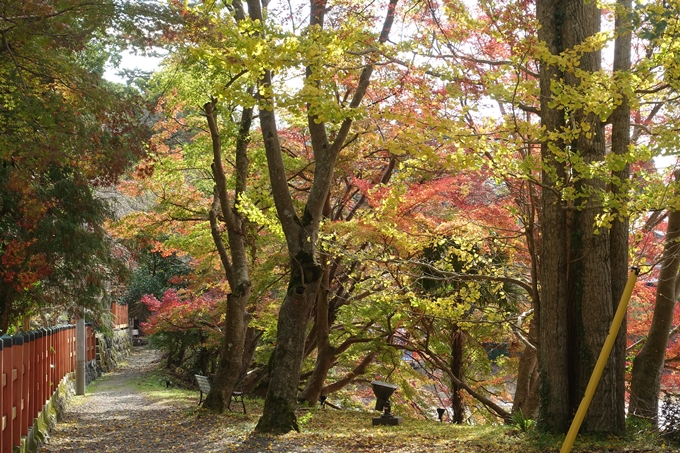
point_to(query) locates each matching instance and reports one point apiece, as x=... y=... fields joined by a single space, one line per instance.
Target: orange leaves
x=22 y=268
x=163 y=249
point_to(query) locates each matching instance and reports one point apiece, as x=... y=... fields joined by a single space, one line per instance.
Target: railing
x=32 y=364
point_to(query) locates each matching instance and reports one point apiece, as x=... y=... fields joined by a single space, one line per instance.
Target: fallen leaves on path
x=131 y=411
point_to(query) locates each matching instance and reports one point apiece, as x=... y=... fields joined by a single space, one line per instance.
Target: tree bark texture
x=457 y=349
x=526 y=393
x=618 y=236
x=576 y=300
x=278 y=416
x=554 y=411
x=648 y=364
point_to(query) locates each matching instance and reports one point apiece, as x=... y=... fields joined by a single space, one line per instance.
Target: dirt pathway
x=115 y=417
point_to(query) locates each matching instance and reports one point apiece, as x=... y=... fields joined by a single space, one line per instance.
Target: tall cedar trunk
x=526 y=393
x=618 y=236
x=301 y=232
x=554 y=410
x=235 y=264
x=573 y=328
x=648 y=364
x=590 y=284
x=590 y=297
x=457 y=348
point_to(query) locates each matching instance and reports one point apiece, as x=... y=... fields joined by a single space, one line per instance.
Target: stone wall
x=111 y=351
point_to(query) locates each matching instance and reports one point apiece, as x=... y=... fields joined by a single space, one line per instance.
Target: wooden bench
x=204 y=387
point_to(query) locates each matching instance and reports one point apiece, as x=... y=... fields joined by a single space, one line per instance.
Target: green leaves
x=63 y=131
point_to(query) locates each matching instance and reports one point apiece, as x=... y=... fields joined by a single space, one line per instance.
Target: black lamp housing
x=383 y=391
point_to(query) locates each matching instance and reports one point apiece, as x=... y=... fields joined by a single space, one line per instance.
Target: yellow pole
x=601 y=361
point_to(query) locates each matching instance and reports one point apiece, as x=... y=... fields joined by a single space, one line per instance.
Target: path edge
x=110 y=352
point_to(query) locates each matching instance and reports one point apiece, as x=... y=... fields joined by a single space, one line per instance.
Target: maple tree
x=199 y=109
x=155 y=273
x=301 y=232
x=64 y=131
x=181 y=321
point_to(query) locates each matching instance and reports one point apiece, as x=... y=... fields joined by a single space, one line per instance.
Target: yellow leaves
x=254 y=214
x=570 y=59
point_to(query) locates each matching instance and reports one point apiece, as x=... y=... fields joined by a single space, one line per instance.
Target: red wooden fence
x=120 y=315
x=32 y=364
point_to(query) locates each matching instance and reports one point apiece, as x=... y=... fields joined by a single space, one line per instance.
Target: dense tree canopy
x=64 y=131
x=395 y=189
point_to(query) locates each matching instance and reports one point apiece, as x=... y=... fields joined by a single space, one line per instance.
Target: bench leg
x=200 y=400
x=238 y=399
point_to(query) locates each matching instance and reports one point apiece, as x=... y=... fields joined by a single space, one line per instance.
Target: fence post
x=25 y=384
x=33 y=376
x=59 y=351
x=42 y=370
x=7 y=358
x=17 y=388
x=37 y=399
x=80 y=356
x=51 y=362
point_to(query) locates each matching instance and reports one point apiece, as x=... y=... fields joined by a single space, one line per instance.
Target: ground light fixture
x=383 y=391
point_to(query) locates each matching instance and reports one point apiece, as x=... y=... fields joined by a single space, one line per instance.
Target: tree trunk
x=230 y=365
x=526 y=393
x=324 y=361
x=574 y=323
x=325 y=353
x=590 y=259
x=457 y=349
x=619 y=233
x=278 y=415
x=648 y=364
x=249 y=347
x=234 y=262
x=554 y=410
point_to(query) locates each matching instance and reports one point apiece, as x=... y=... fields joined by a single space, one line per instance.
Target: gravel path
x=116 y=417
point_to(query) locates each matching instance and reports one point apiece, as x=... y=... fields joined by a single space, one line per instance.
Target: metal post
x=80 y=356
x=601 y=362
